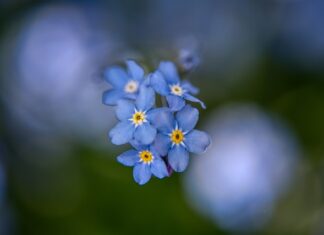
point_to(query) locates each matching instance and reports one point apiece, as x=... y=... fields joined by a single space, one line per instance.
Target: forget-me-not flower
x=166 y=82
x=177 y=137
x=162 y=137
x=125 y=83
x=135 y=119
x=146 y=161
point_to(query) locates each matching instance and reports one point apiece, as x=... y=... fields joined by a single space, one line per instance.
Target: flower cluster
x=161 y=137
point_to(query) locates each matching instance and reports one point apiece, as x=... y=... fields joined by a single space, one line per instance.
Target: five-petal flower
x=146 y=161
x=177 y=137
x=125 y=83
x=166 y=82
x=135 y=119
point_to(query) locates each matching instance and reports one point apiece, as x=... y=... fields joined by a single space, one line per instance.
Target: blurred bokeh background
x=260 y=68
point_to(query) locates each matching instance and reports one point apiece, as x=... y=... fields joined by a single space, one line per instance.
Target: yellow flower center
x=176 y=90
x=138 y=118
x=146 y=156
x=131 y=86
x=177 y=136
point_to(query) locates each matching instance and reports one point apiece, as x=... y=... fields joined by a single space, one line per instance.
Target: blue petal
x=175 y=102
x=116 y=76
x=128 y=158
x=158 y=168
x=162 y=119
x=145 y=134
x=169 y=71
x=111 y=97
x=162 y=144
x=125 y=109
x=145 y=99
x=194 y=99
x=187 y=118
x=197 y=141
x=131 y=96
x=142 y=173
x=153 y=150
x=159 y=84
x=178 y=158
x=146 y=81
x=186 y=85
x=137 y=145
x=136 y=71
x=122 y=133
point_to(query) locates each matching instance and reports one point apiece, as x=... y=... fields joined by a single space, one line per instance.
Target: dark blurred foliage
x=59 y=169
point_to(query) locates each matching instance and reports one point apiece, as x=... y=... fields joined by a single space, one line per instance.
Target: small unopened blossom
x=188 y=60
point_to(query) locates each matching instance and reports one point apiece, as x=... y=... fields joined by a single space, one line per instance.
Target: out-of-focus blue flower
x=146 y=161
x=125 y=84
x=135 y=119
x=188 y=59
x=166 y=82
x=177 y=137
x=251 y=163
x=50 y=84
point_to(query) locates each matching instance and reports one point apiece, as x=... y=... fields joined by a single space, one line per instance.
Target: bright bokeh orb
x=249 y=165
x=53 y=86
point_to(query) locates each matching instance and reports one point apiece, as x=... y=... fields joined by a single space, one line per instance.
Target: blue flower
x=188 y=59
x=146 y=161
x=125 y=83
x=166 y=82
x=135 y=118
x=177 y=137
